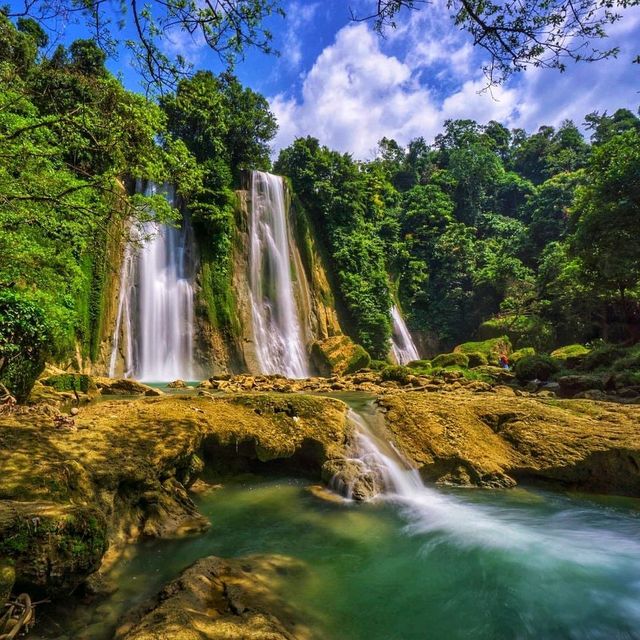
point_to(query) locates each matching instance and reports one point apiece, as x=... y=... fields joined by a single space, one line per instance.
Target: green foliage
x=451 y=360
x=521 y=353
x=396 y=373
x=70 y=382
x=25 y=336
x=533 y=367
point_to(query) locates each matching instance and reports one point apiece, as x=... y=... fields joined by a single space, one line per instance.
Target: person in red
x=503 y=362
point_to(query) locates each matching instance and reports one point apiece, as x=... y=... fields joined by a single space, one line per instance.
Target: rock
x=177 y=384
x=451 y=360
x=497 y=374
x=491 y=350
x=533 y=386
x=125 y=387
x=503 y=390
x=546 y=393
x=123 y=474
x=351 y=479
x=592 y=394
x=218 y=599
x=338 y=355
x=205 y=384
x=628 y=392
x=574 y=384
x=74 y=411
x=486 y=439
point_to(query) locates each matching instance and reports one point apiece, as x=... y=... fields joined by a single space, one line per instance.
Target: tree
x=607 y=208
x=517 y=35
x=228 y=27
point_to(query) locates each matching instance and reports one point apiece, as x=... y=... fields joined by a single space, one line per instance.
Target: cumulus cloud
x=362 y=87
x=355 y=94
x=299 y=15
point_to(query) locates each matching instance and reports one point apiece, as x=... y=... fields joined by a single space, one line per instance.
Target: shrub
x=532 y=367
x=522 y=331
x=602 y=357
x=70 y=382
x=419 y=364
x=24 y=337
x=451 y=360
x=378 y=365
x=396 y=373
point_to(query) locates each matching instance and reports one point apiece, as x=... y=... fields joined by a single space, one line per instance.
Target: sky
x=339 y=81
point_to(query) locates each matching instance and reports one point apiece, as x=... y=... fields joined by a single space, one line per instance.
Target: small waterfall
x=277 y=329
x=564 y=538
x=402 y=346
x=155 y=309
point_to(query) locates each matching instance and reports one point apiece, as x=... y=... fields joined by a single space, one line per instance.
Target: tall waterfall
x=155 y=311
x=277 y=329
x=402 y=345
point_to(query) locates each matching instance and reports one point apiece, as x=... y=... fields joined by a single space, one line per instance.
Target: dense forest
x=485 y=231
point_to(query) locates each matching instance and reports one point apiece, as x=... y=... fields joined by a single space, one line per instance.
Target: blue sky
x=339 y=81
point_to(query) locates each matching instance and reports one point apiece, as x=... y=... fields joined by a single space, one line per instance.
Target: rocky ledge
x=119 y=471
x=497 y=440
x=222 y=600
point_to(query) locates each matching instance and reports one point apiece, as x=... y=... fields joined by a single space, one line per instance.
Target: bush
x=378 y=365
x=451 y=360
x=522 y=331
x=521 y=353
x=24 y=337
x=419 y=364
x=603 y=357
x=396 y=373
x=536 y=367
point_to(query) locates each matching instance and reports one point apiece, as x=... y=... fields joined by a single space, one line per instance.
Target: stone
x=177 y=384
x=124 y=387
x=350 y=478
x=338 y=355
x=574 y=384
x=219 y=599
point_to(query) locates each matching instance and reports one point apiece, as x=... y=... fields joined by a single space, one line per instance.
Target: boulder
x=219 y=599
x=177 y=384
x=574 y=384
x=125 y=387
x=338 y=355
x=491 y=349
x=351 y=479
x=457 y=359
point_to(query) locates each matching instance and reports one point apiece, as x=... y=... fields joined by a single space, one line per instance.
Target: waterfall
x=544 y=541
x=277 y=329
x=155 y=309
x=402 y=345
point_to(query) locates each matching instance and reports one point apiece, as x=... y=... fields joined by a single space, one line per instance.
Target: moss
x=7 y=579
x=378 y=365
x=477 y=359
x=419 y=364
x=540 y=367
x=491 y=349
x=570 y=351
x=603 y=357
x=521 y=353
x=451 y=360
x=71 y=382
x=339 y=355
x=396 y=373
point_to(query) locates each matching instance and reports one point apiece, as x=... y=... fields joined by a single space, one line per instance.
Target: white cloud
x=355 y=94
x=299 y=15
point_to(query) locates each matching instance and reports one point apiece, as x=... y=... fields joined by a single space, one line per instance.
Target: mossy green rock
x=339 y=355
x=477 y=359
x=396 y=373
x=536 y=368
x=451 y=360
x=521 y=353
x=419 y=364
x=491 y=349
x=570 y=351
x=71 y=382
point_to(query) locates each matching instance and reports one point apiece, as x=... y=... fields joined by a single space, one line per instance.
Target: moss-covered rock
x=71 y=382
x=396 y=373
x=477 y=359
x=451 y=360
x=538 y=367
x=570 y=351
x=338 y=355
x=419 y=364
x=491 y=349
x=494 y=440
x=574 y=384
x=521 y=353
x=603 y=357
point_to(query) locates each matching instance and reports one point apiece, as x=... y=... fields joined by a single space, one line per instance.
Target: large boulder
x=351 y=479
x=338 y=355
x=491 y=349
x=574 y=384
x=125 y=387
x=219 y=599
x=451 y=360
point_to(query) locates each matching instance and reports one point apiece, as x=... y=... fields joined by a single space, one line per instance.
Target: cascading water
x=567 y=538
x=402 y=345
x=155 y=321
x=277 y=330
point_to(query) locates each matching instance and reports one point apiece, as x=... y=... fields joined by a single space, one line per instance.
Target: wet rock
x=338 y=354
x=177 y=384
x=574 y=384
x=125 y=387
x=218 y=599
x=351 y=479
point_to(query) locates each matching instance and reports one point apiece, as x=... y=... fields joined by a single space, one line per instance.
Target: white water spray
x=155 y=309
x=442 y=517
x=402 y=345
x=277 y=330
